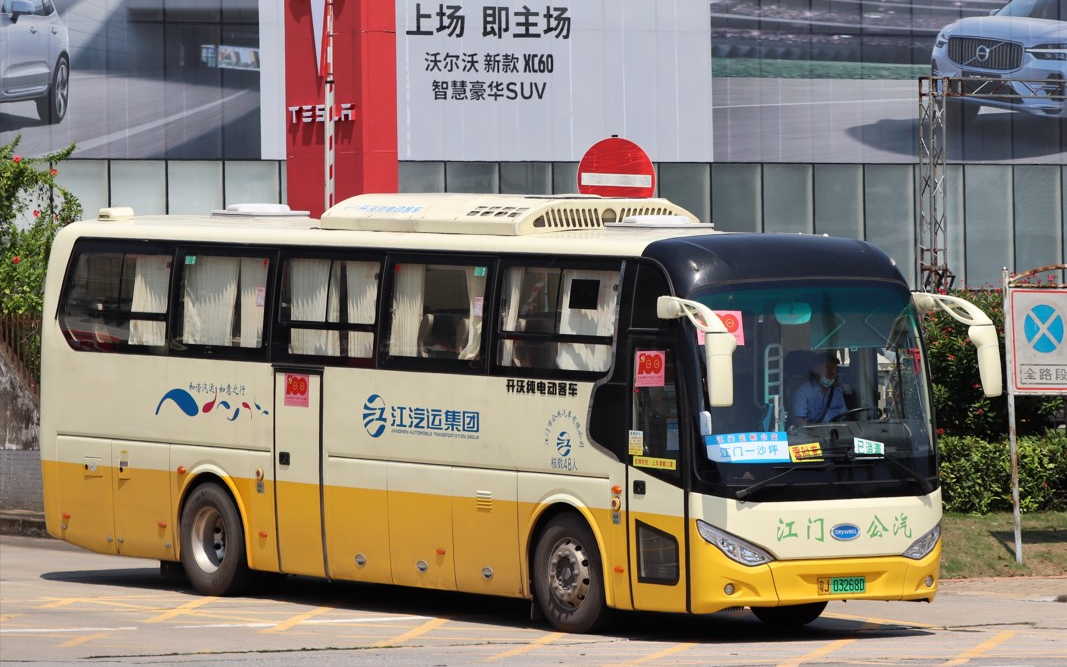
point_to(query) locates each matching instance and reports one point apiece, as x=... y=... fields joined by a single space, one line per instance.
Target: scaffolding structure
x=937 y=109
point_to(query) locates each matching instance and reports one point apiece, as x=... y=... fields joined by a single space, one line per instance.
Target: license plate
x=842 y=585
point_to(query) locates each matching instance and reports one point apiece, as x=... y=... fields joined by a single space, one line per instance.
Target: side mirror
x=980 y=330
x=719 y=345
x=20 y=7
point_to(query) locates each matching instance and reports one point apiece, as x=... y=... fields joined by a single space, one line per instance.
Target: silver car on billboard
x=1024 y=42
x=34 y=57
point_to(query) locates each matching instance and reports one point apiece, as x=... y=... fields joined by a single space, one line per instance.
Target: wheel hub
x=568 y=573
x=209 y=539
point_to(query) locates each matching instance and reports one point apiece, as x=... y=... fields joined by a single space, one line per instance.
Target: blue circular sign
x=563 y=443
x=1043 y=328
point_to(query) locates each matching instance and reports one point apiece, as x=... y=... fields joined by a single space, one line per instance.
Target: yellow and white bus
x=591 y=403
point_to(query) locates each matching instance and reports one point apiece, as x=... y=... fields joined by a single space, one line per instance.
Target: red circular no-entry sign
x=616 y=167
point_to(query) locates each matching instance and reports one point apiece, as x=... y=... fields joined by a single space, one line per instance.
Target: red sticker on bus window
x=651 y=368
x=296 y=390
x=731 y=319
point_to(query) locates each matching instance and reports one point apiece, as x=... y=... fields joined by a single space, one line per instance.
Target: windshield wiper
x=909 y=474
x=741 y=494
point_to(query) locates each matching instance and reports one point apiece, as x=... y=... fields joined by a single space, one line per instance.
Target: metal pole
x=329 y=119
x=1009 y=363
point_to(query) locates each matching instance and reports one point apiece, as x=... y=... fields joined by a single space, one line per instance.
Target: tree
x=28 y=185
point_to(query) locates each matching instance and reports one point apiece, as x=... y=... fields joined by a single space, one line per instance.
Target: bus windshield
x=830 y=394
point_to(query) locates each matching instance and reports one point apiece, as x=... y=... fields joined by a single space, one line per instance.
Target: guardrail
x=20 y=343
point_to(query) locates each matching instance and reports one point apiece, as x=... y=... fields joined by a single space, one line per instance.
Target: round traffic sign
x=1043 y=328
x=616 y=167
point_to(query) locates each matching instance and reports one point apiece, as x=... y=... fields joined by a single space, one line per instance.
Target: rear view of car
x=34 y=57
x=1025 y=41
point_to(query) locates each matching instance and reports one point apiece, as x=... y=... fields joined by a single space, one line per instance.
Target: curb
x=25 y=524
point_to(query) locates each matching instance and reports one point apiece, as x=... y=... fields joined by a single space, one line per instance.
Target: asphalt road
x=141 y=118
x=59 y=604
x=856 y=121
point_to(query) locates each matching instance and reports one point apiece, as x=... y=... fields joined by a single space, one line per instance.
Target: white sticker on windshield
x=758 y=447
x=869 y=447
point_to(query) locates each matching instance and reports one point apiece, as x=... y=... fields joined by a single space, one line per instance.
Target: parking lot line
x=415 y=632
x=817 y=653
x=879 y=621
x=670 y=650
x=78 y=641
x=180 y=610
x=980 y=650
x=519 y=650
x=296 y=620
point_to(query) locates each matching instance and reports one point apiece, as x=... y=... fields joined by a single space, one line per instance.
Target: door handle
x=283 y=458
x=639 y=487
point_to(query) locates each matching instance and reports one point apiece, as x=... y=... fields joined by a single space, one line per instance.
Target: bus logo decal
x=374 y=415
x=563 y=443
x=845 y=532
x=188 y=404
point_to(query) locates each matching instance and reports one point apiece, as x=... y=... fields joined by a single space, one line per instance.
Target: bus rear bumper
x=798 y=582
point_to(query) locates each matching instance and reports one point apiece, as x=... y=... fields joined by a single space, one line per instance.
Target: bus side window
x=437 y=311
x=542 y=310
x=325 y=292
x=223 y=300
x=655 y=409
x=116 y=300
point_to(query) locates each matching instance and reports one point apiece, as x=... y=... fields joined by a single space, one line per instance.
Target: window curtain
x=513 y=293
x=407 y=310
x=472 y=347
x=588 y=322
x=362 y=281
x=309 y=285
x=210 y=295
x=151 y=287
x=253 y=293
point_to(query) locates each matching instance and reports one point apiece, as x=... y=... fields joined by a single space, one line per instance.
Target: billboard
x=792 y=81
x=519 y=81
x=142 y=79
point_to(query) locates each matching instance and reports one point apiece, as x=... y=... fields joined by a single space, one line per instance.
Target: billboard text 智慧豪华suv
x=1024 y=42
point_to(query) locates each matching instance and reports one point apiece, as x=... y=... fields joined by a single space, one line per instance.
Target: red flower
x=951 y=357
x=36 y=213
x=17 y=159
x=16 y=259
x=53 y=172
x=979 y=410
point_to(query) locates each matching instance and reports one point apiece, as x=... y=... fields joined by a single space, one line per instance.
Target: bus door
x=656 y=501
x=298 y=469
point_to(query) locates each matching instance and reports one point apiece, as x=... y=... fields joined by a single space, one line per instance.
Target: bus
x=595 y=404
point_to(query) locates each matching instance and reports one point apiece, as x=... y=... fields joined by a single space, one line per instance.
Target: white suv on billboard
x=1026 y=39
x=34 y=57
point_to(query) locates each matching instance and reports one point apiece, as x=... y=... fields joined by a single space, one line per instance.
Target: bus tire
x=790 y=616
x=213 y=546
x=568 y=576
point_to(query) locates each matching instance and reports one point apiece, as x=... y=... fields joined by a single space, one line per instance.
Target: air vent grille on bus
x=570 y=218
x=644 y=210
x=497 y=211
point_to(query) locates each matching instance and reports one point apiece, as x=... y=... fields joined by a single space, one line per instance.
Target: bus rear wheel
x=791 y=616
x=212 y=539
x=568 y=577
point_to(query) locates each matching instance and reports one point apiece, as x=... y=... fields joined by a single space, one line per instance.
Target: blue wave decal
x=224 y=405
x=183 y=399
x=235 y=413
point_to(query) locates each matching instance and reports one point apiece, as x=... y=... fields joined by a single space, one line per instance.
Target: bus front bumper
x=782 y=583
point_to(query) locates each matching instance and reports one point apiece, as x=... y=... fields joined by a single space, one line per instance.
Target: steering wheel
x=855 y=411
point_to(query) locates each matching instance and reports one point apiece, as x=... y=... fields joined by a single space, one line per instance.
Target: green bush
x=976 y=474
x=960 y=406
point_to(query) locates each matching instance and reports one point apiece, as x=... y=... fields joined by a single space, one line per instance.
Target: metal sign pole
x=329 y=119
x=1009 y=363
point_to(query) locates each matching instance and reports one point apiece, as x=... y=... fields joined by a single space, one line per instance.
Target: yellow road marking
x=411 y=634
x=519 y=650
x=980 y=650
x=296 y=620
x=81 y=640
x=880 y=621
x=180 y=611
x=817 y=653
x=108 y=602
x=670 y=650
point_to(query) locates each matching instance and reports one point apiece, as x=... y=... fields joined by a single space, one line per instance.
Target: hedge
x=976 y=474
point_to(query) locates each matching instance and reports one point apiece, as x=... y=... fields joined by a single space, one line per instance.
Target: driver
x=821 y=398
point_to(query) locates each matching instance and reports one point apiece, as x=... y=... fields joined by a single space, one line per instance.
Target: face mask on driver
x=827 y=382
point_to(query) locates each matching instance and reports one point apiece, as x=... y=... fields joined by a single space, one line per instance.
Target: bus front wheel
x=213 y=548
x=567 y=575
x=792 y=616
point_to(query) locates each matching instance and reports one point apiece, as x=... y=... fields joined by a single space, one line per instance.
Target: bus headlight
x=734 y=547
x=922 y=547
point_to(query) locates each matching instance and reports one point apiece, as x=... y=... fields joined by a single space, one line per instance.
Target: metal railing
x=20 y=343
